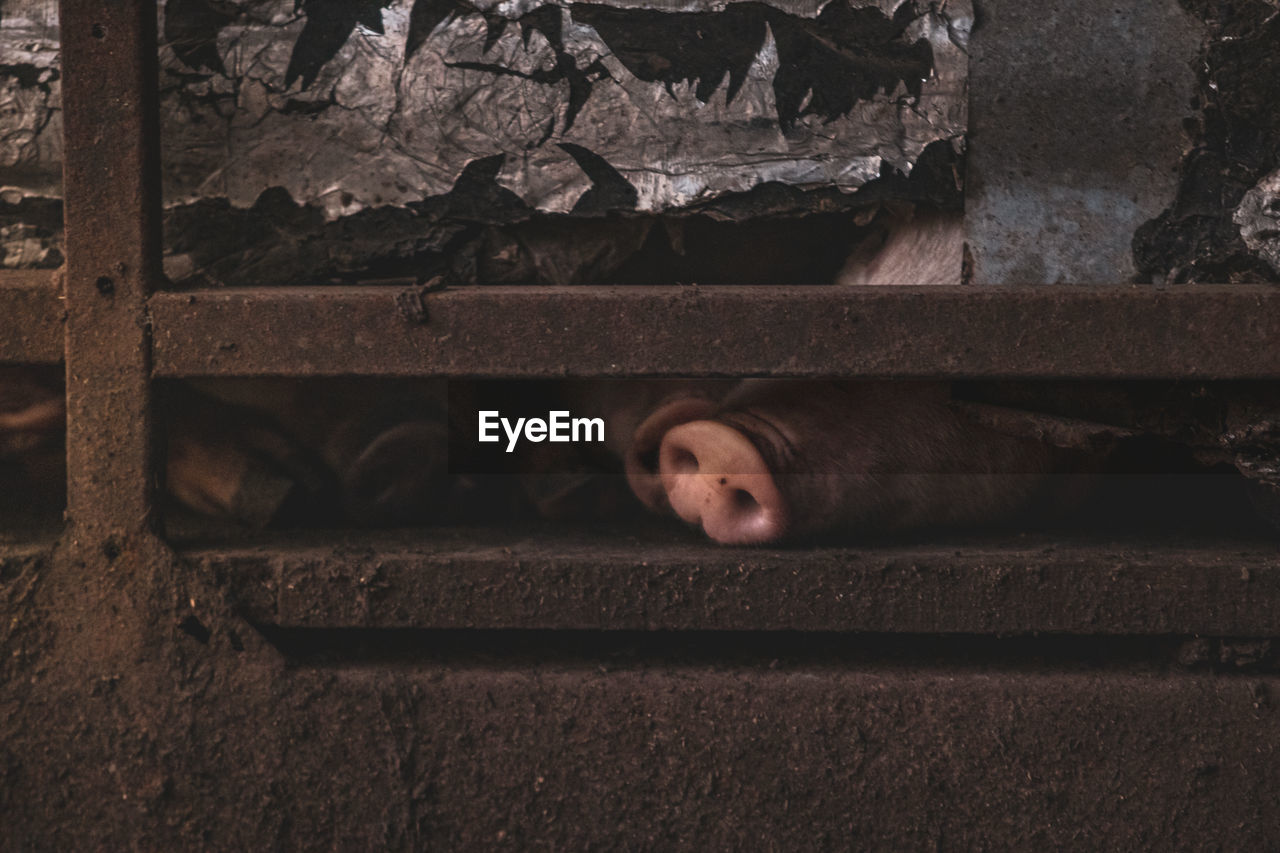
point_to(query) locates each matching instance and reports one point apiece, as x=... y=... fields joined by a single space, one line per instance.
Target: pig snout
x=784 y=460
x=715 y=477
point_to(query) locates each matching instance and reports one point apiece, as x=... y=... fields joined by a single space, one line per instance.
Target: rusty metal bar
x=609 y=580
x=1205 y=332
x=112 y=203
x=31 y=316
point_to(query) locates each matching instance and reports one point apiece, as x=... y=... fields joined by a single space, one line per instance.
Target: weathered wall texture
x=1222 y=225
x=319 y=140
x=136 y=712
x=30 y=135
x=348 y=106
x=1075 y=136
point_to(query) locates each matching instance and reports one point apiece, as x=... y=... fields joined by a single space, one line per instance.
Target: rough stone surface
x=1236 y=139
x=1259 y=219
x=30 y=135
x=139 y=712
x=1076 y=134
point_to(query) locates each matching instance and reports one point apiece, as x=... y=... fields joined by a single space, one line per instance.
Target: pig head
x=779 y=459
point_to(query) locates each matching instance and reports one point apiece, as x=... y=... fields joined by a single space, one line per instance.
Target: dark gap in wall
x=1128 y=459
x=33 y=475
x=607 y=651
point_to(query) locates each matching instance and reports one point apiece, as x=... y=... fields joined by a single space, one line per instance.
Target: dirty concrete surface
x=1075 y=138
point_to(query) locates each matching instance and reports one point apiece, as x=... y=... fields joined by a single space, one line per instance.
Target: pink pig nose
x=715 y=477
x=641 y=459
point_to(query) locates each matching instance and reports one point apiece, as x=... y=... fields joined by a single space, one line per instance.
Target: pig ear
x=714 y=476
x=641 y=459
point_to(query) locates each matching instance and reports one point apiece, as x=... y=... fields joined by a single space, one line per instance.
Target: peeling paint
x=393 y=111
x=349 y=106
x=1259 y=219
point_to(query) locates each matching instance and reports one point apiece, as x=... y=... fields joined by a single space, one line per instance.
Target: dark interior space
x=1150 y=461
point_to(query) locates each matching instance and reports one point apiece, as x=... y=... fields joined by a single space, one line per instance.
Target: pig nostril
x=744 y=501
x=649 y=461
x=684 y=462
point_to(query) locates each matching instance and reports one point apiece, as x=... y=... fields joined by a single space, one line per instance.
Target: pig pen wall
x=1148 y=155
x=140 y=708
